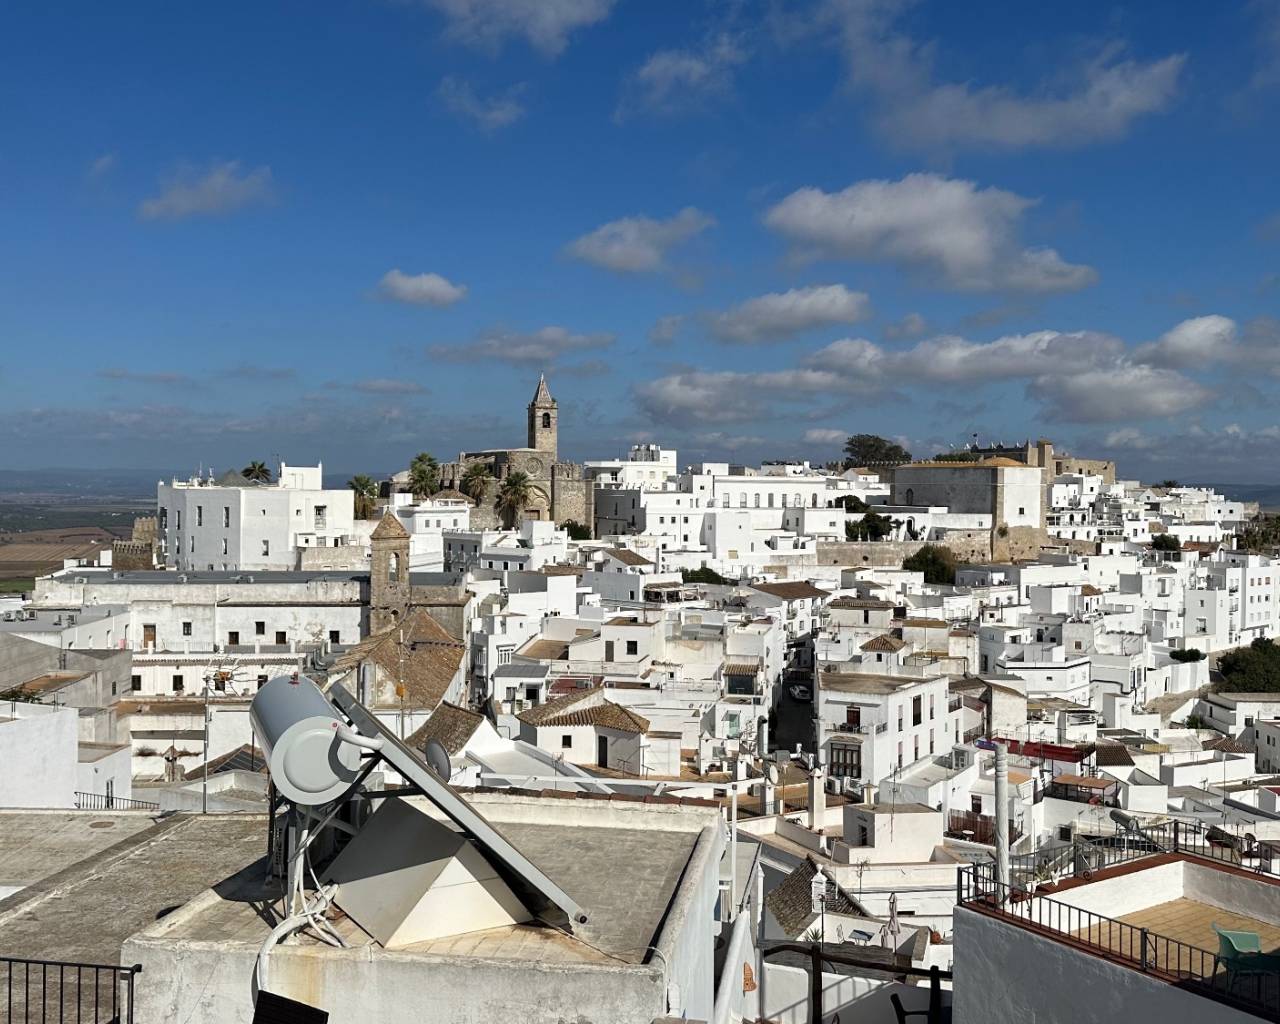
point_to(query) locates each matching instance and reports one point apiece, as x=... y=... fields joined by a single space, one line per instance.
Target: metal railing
x=1189 y=967
x=56 y=990
x=110 y=802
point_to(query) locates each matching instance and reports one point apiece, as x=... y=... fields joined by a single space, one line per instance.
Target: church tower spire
x=543 y=416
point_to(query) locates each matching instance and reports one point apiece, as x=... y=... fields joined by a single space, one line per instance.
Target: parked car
x=799 y=692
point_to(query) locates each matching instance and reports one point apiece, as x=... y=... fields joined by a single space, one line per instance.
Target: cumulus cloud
x=1075 y=376
x=486 y=113
x=223 y=188
x=1192 y=343
x=420 y=289
x=1098 y=100
x=824 y=436
x=784 y=314
x=542 y=347
x=635 y=245
x=676 y=80
x=910 y=326
x=1125 y=392
x=544 y=24
x=944 y=229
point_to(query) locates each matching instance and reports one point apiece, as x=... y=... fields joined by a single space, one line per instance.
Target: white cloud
x=945 y=229
x=1192 y=343
x=488 y=114
x=420 y=289
x=634 y=245
x=666 y=328
x=910 y=326
x=221 y=189
x=102 y=166
x=824 y=436
x=544 y=24
x=542 y=347
x=783 y=314
x=675 y=80
x=1124 y=392
x=388 y=386
x=1097 y=100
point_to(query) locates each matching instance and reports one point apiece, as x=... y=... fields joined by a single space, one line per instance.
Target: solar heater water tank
x=299 y=732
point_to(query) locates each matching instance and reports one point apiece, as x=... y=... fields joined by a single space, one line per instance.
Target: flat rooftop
x=163 y=576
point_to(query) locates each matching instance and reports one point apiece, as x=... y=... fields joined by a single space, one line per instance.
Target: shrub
x=1190 y=654
x=936 y=562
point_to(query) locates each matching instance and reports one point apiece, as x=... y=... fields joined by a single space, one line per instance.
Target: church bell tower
x=542 y=420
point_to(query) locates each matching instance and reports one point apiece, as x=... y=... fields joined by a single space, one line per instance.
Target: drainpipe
x=1002 y=819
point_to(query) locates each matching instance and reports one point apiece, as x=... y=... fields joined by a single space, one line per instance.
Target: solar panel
x=492 y=842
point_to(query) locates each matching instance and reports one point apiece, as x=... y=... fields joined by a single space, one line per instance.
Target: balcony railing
x=111 y=802
x=1179 y=963
x=54 y=990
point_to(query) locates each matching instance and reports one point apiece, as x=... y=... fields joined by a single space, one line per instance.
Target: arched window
x=546 y=421
x=911 y=496
x=393 y=568
x=757 y=499
x=813 y=500
x=799 y=501
x=742 y=500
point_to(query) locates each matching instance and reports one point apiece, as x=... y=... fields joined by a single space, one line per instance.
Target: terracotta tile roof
x=561 y=570
x=1113 y=755
x=791 y=903
x=627 y=557
x=449 y=724
x=884 y=642
x=741 y=666
x=606 y=715
x=545 y=712
x=1089 y=590
x=873 y=603
x=796 y=591
x=450 y=494
x=925 y=623
x=546 y=650
x=429 y=661
x=1229 y=746
x=245 y=758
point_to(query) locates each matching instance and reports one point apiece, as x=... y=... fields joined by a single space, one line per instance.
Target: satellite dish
x=771 y=773
x=438 y=760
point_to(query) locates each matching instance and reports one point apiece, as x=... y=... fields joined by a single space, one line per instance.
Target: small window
x=233 y=637
x=281 y=638
x=334 y=636
x=177 y=684
x=633 y=647
x=113 y=687
x=226 y=515
x=224 y=545
x=546 y=421
x=186 y=629
x=135 y=683
x=260 y=628
x=266 y=547
x=199 y=515
x=566 y=741
x=262 y=681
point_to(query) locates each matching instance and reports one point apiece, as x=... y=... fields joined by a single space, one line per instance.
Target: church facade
x=558 y=490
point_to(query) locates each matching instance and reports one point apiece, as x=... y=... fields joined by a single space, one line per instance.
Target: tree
x=936 y=562
x=475 y=481
x=960 y=455
x=871 y=526
x=366 y=492
x=576 y=530
x=1168 y=483
x=866 y=449
x=851 y=503
x=513 y=495
x=1186 y=654
x=1252 y=669
x=424 y=475
x=1263 y=534
x=1165 y=542
x=257 y=471
x=703 y=575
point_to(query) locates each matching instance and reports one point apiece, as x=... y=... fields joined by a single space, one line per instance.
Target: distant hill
x=82 y=483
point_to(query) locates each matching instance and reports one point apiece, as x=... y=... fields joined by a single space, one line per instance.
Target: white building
x=231 y=523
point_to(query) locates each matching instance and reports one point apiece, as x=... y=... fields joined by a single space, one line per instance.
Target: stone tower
x=389 y=574
x=542 y=420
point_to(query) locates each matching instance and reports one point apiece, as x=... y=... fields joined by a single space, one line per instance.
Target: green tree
x=475 y=481
x=1168 y=483
x=1263 y=534
x=366 y=492
x=1186 y=654
x=871 y=526
x=257 y=471
x=703 y=575
x=576 y=530
x=1165 y=542
x=424 y=475
x=851 y=503
x=865 y=449
x=959 y=455
x=936 y=562
x=513 y=495
x=1252 y=669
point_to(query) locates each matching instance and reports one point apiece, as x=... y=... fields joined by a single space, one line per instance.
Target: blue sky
x=352 y=231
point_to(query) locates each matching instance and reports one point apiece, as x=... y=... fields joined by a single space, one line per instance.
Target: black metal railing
x=1190 y=967
x=110 y=802
x=56 y=990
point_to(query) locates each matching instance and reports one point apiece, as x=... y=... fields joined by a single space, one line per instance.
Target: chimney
x=817 y=799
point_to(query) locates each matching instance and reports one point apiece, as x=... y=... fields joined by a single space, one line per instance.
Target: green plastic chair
x=1241 y=953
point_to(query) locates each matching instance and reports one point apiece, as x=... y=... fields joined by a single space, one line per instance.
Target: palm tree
x=424 y=475
x=257 y=471
x=514 y=495
x=366 y=491
x=475 y=481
